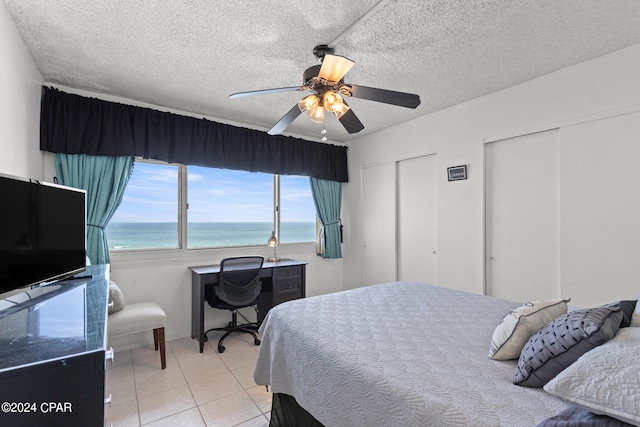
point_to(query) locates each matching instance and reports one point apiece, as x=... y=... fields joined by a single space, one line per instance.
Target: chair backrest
x=239 y=283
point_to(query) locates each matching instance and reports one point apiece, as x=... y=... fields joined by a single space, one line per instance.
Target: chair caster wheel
x=221 y=349
x=256 y=341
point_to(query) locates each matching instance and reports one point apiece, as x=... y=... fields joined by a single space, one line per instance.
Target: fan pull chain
x=323 y=132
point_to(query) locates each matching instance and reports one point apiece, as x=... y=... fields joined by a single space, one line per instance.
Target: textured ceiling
x=191 y=54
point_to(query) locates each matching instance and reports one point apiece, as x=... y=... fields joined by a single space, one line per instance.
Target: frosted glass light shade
x=308 y=104
x=334 y=67
x=312 y=107
x=334 y=103
x=317 y=115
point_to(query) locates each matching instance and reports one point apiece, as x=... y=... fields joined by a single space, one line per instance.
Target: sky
x=215 y=195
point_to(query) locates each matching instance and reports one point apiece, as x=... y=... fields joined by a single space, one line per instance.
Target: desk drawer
x=289 y=285
x=294 y=271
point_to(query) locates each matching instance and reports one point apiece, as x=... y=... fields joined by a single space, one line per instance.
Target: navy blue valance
x=75 y=124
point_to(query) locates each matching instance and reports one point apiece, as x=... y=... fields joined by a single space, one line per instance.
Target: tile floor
x=196 y=389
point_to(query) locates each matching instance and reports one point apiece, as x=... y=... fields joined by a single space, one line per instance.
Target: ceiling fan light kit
x=326 y=84
x=333 y=102
x=314 y=106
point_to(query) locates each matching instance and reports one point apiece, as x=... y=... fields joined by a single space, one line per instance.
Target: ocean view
x=141 y=235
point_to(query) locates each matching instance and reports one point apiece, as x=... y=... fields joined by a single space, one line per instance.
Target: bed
x=395 y=354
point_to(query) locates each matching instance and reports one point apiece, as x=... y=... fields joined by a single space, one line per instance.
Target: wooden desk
x=282 y=281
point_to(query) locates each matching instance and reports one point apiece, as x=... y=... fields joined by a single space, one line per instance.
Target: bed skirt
x=285 y=412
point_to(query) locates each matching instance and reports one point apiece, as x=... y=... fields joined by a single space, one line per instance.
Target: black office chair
x=238 y=286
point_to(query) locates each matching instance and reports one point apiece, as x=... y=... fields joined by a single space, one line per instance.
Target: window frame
x=183 y=216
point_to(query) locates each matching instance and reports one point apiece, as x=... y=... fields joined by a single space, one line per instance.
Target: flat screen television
x=42 y=232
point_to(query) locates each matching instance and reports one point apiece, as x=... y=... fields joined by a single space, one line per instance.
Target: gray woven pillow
x=116 y=299
x=562 y=341
x=627 y=307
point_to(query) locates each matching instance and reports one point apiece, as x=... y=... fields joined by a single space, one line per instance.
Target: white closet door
x=522 y=217
x=378 y=224
x=417 y=212
x=601 y=210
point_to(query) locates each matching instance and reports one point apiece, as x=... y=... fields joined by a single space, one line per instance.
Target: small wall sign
x=456 y=173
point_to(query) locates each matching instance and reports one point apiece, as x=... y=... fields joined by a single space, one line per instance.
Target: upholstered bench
x=137 y=317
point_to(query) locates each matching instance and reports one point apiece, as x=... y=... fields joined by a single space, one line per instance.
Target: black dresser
x=52 y=353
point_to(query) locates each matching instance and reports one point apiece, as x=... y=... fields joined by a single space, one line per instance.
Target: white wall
x=20 y=84
x=601 y=87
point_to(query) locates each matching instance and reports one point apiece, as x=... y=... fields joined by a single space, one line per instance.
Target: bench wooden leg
x=158 y=342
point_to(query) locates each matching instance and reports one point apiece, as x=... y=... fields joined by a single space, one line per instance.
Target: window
x=228 y=207
x=297 y=211
x=222 y=208
x=148 y=214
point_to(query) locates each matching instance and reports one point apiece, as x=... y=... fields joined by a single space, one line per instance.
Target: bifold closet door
x=522 y=190
x=378 y=224
x=417 y=211
x=600 y=218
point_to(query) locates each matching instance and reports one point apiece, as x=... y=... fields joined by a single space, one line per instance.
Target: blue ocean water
x=144 y=235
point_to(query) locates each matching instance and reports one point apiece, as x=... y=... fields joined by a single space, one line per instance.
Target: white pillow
x=604 y=381
x=518 y=325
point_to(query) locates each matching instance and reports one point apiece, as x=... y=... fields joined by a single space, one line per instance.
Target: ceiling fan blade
x=401 y=99
x=284 y=122
x=263 y=91
x=351 y=122
x=334 y=67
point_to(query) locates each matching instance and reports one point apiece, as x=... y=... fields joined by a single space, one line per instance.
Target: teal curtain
x=327 y=196
x=104 y=179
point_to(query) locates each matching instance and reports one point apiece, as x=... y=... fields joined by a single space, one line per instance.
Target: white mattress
x=396 y=354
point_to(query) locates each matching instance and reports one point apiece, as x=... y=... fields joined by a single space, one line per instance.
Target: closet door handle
x=109 y=355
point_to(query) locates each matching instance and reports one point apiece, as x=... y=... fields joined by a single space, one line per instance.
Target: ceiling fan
x=327 y=87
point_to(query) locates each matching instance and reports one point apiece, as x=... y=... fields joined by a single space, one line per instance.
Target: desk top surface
x=209 y=269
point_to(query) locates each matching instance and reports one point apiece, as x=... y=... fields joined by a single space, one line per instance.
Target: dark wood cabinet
x=288 y=284
x=52 y=353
